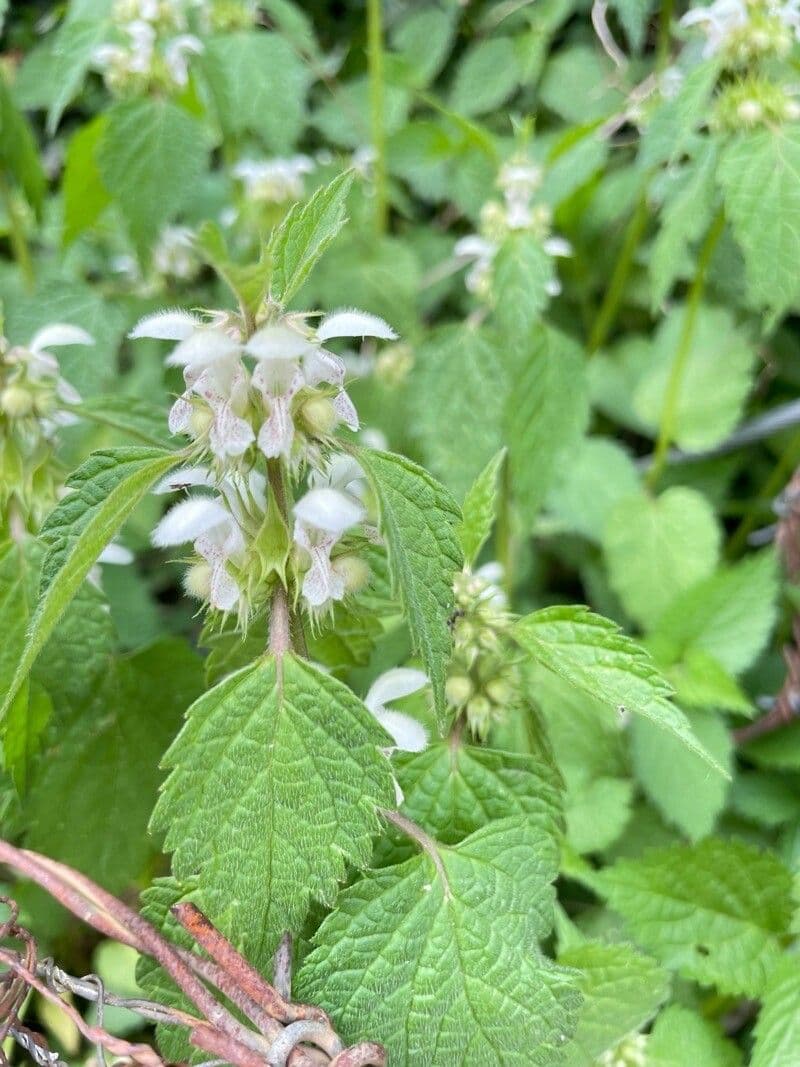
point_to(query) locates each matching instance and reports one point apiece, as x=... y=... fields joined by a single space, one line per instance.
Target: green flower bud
x=318 y=415
x=353 y=570
x=458 y=689
x=197 y=581
x=16 y=402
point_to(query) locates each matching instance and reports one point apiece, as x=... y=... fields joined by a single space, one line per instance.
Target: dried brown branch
x=786 y=705
x=285 y=1034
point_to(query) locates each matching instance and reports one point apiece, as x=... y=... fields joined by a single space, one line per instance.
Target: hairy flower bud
x=319 y=416
x=353 y=571
x=16 y=401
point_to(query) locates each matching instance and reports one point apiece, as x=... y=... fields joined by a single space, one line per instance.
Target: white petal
x=491 y=572
x=474 y=247
x=66 y=392
x=189 y=520
x=557 y=246
x=202 y=348
x=116 y=554
x=230 y=435
x=180 y=415
x=277 y=342
x=183 y=477
x=166 y=326
x=409 y=735
x=354 y=323
x=277 y=431
x=394 y=684
x=321 y=584
x=329 y=510
x=345 y=410
x=320 y=365
x=59 y=333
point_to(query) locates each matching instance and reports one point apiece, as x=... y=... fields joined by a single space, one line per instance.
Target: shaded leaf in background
x=681 y=1036
x=479 y=510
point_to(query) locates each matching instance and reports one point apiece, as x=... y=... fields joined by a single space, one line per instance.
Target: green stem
x=664 y=34
x=376 y=105
x=285 y=620
x=19 y=242
x=669 y=413
x=504 y=543
x=607 y=314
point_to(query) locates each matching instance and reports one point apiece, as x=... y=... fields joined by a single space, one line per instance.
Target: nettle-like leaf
x=106 y=489
x=273 y=788
x=547 y=412
x=403 y=959
x=622 y=990
x=419 y=521
x=596 y=811
x=486 y=76
x=778 y=1027
x=91 y=799
x=522 y=273
x=459 y=381
x=599 y=474
x=71 y=55
x=716 y=911
x=303 y=236
x=130 y=415
x=249 y=283
x=592 y=654
x=453 y=789
x=84 y=193
x=18 y=579
x=760 y=176
x=715 y=383
x=672 y=126
x=479 y=510
x=657 y=546
x=681 y=1036
x=660 y=762
x=685 y=216
x=150 y=157
x=19 y=156
x=729 y=615
x=246 y=73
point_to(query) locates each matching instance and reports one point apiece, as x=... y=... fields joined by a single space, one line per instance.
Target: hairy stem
x=376 y=106
x=606 y=316
x=669 y=413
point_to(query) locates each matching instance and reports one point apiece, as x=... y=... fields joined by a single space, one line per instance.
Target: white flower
x=409 y=735
x=39 y=368
x=216 y=527
x=274 y=180
x=210 y=355
x=480 y=252
x=176 y=56
x=174 y=255
x=718 y=21
x=490 y=576
x=322 y=517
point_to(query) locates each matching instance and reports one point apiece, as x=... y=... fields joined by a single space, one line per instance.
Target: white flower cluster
x=277 y=394
x=518 y=180
x=153 y=45
x=174 y=253
x=743 y=30
x=273 y=181
x=31 y=386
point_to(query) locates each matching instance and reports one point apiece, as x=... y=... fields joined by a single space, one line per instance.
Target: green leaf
x=453 y=789
x=685 y=216
x=419 y=520
x=458 y=373
x=486 y=76
x=423 y=40
x=479 y=509
x=657 y=546
x=700 y=681
x=680 y=1037
x=715 y=384
x=522 y=273
x=547 y=412
x=25 y=724
x=778 y=1028
x=580 y=84
x=85 y=195
x=130 y=415
x=760 y=177
x=728 y=616
x=593 y=655
x=600 y=473
x=90 y=802
x=622 y=990
x=301 y=239
x=670 y=128
x=150 y=157
x=403 y=958
x=597 y=811
x=249 y=284
x=19 y=154
x=70 y=57
x=661 y=762
x=108 y=487
x=246 y=73
x=715 y=911
x=274 y=781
